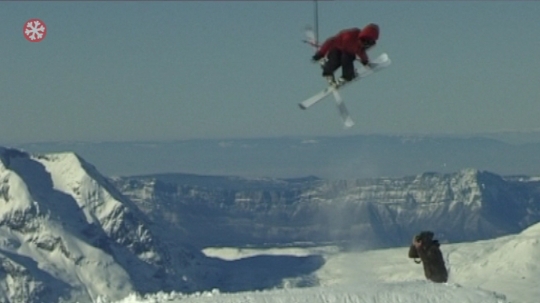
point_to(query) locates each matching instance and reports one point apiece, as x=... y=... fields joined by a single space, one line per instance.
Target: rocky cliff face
x=466 y=205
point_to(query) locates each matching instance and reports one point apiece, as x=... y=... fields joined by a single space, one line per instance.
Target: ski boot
x=342 y=80
x=331 y=80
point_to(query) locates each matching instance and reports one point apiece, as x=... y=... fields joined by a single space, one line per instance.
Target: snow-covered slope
x=406 y=292
x=65 y=232
x=501 y=270
x=507 y=265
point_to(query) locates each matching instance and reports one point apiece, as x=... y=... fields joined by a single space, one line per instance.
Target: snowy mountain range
x=68 y=233
x=381 y=212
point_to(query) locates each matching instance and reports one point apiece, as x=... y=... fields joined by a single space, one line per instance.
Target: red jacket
x=349 y=40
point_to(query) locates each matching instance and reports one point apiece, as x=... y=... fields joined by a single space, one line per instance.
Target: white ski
x=343 y=112
x=316 y=98
x=376 y=65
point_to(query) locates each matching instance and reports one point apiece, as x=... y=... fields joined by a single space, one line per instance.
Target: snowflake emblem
x=34 y=30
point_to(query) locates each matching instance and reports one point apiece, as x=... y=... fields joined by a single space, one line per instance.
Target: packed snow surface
x=502 y=270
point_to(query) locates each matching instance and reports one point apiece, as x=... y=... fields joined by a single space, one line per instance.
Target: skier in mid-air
x=341 y=51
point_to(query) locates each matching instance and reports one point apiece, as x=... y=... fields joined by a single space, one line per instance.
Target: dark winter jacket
x=432 y=259
x=351 y=41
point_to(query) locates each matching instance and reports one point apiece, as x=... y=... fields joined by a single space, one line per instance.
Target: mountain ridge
x=65 y=220
x=467 y=205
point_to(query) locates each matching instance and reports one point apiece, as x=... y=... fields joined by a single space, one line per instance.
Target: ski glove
x=317 y=57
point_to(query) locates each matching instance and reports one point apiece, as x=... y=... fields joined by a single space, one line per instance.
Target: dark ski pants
x=336 y=59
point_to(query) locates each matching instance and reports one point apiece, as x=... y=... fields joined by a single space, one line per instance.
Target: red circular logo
x=34 y=30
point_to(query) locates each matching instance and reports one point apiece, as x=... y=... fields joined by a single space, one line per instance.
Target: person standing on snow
x=341 y=51
x=427 y=249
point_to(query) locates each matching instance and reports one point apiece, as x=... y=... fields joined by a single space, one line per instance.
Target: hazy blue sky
x=199 y=69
